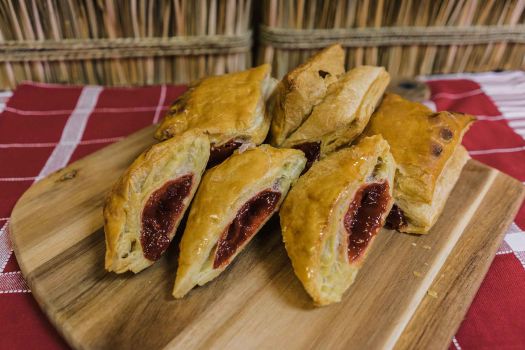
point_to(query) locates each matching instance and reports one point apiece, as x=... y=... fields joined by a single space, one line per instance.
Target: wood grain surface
x=412 y=291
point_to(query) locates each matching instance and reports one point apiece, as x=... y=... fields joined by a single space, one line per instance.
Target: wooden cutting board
x=411 y=293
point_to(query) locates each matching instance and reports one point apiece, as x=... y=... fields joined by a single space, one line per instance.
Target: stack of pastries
x=342 y=160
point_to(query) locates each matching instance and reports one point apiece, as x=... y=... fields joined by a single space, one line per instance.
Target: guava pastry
x=234 y=200
x=429 y=156
x=330 y=218
x=343 y=113
x=301 y=89
x=230 y=108
x=145 y=206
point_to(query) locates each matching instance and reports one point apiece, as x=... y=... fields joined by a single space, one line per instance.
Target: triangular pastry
x=301 y=89
x=234 y=200
x=331 y=216
x=230 y=108
x=145 y=206
x=343 y=113
x=427 y=149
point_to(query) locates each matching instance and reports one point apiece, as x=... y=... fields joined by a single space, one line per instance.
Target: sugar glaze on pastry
x=427 y=149
x=230 y=108
x=145 y=206
x=331 y=216
x=234 y=200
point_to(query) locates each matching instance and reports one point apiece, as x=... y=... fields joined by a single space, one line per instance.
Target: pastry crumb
x=432 y=293
x=417 y=273
x=426 y=264
x=427 y=247
x=414 y=244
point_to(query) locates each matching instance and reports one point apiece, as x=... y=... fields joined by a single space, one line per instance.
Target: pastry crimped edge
x=248 y=123
x=301 y=89
x=424 y=180
x=183 y=154
x=345 y=110
x=313 y=212
x=224 y=189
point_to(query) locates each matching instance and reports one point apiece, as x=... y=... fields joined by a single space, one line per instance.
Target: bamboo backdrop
x=29 y=27
x=134 y=42
x=401 y=60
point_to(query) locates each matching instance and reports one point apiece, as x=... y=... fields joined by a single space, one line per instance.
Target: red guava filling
x=247 y=222
x=161 y=212
x=396 y=219
x=364 y=217
x=311 y=150
x=220 y=153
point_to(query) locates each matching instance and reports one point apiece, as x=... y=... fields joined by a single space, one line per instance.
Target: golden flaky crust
x=427 y=149
x=345 y=110
x=301 y=89
x=184 y=154
x=312 y=216
x=227 y=107
x=223 y=191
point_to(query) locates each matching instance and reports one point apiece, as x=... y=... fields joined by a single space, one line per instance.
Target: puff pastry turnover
x=427 y=149
x=234 y=200
x=331 y=216
x=301 y=89
x=230 y=108
x=145 y=206
x=343 y=113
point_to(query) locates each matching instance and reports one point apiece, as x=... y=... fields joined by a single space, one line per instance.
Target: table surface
x=45 y=127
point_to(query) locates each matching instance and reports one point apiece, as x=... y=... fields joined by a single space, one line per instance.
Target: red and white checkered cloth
x=45 y=127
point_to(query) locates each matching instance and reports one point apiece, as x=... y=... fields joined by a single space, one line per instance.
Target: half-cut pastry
x=145 y=206
x=331 y=216
x=343 y=113
x=301 y=89
x=230 y=108
x=427 y=149
x=234 y=200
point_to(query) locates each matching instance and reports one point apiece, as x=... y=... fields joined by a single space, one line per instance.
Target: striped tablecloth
x=45 y=127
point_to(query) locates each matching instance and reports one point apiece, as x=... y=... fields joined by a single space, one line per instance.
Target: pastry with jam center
x=342 y=114
x=234 y=200
x=427 y=149
x=301 y=89
x=230 y=108
x=332 y=215
x=145 y=206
